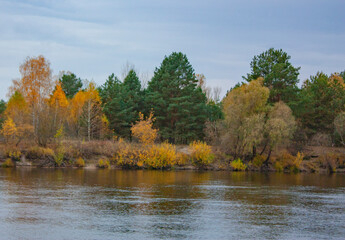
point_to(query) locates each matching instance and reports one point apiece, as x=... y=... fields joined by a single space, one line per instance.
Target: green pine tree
x=178 y=104
x=122 y=102
x=279 y=75
x=70 y=84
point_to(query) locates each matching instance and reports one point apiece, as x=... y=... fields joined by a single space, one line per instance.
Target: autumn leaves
x=38 y=106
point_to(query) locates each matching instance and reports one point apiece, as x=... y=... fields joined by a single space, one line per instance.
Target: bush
x=80 y=162
x=258 y=160
x=143 y=129
x=59 y=156
x=238 y=165
x=181 y=159
x=103 y=163
x=286 y=161
x=297 y=162
x=278 y=166
x=201 y=153
x=8 y=163
x=127 y=154
x=159 y=156
x=39 y=152
x=329 y=161
x=14 y=155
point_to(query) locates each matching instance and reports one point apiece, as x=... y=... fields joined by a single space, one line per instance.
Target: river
x=128 y=204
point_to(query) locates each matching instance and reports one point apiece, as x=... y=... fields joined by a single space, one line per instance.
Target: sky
x=94 y=38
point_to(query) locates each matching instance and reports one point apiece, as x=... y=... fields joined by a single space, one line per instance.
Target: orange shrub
x=143 y=129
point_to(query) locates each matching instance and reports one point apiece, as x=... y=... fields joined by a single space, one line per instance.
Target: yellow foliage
x=143 y=129
x=278 y=166
x=9 y=130
x=80 y=162
x=76 y=106
x=127 y=154
x=8 y=163
x=14 y=154
x=59 y=134
x=201 y=153
x=160 y=156
x=17 y=108
x=238 y=165
x=155 y=156
x=39 y=152
x=244 y=110
x=298 y=160
x=92 y=93
x=181 y=159
x=286 y=161
x=103 y=163
x=36 y=81
x=58 y=99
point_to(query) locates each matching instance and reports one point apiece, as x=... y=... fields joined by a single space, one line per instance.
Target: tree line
x=265 y=111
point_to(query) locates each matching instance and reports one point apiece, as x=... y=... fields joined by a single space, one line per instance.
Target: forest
x=268 y=121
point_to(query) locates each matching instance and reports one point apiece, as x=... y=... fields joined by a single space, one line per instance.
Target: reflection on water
x=109 y=204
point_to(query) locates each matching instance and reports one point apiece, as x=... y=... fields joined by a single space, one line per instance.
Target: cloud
x=95 y=38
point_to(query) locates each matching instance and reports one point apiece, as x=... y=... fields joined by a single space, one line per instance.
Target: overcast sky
x=95 y=38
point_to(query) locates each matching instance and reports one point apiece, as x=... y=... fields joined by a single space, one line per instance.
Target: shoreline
x=93 y=166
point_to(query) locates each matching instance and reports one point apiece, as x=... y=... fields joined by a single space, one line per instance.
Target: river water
x=120 y=204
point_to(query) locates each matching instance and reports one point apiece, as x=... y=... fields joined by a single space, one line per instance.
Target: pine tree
x=122 y=102
x=178 y=104
x=70 y=84
x=278 y=73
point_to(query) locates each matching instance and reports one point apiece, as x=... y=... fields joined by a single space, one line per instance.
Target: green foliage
x=179 y=105
x=339 y=125
x=122 y=102
x=322 y=99
x=214 y=111
x=59 y=156
x=70 y=84
x=238 y=165
x=278 y=73
x=2 y=110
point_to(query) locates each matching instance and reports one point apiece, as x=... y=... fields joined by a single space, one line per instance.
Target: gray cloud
x=95 y=38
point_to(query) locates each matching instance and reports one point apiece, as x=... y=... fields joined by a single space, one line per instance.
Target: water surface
x=119 y=204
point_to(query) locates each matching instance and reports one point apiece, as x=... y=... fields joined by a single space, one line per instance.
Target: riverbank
x=124 y=155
